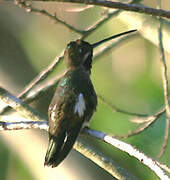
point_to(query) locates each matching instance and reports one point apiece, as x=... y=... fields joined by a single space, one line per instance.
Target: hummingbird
x=74 y=101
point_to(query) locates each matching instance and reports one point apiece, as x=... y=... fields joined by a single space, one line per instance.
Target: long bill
x=112 y=37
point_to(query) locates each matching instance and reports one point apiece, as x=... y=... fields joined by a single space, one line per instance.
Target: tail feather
x=60 y=146
x=54 y=148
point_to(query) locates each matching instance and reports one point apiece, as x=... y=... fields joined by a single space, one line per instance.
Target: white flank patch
x=54 y=108
x=53 y=115
x=80 y=105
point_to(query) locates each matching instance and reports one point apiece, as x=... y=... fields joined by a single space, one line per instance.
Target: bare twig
x=122 y=6
x=42 y=88
x=112 y=45
x=99 y=23
x=148 y=122
x=115 y=109
x=41 y=76
x=83 y=33
x=103 y=20
x=37 y=80
x=29 y=8
x=152 y=164
x=165 y=85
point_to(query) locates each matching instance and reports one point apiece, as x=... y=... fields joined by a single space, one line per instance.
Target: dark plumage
x=73 y=103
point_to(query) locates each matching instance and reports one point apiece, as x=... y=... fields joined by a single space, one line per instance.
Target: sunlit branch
x=20 y=106
x=129 y=149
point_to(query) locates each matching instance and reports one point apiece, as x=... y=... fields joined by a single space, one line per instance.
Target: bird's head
x=79 y=53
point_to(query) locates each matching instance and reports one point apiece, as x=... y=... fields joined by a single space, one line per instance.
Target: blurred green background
x=128 y=77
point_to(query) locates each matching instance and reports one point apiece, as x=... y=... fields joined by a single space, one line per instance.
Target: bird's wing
x=66 y=119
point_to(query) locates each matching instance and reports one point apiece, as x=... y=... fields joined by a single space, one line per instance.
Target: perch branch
x=110 y=166
x=27 y=112
x=43 y=125
x=101 y=160
x=20 y=106
x=147 y=161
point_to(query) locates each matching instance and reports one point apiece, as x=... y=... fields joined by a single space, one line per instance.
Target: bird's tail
x=60 y=145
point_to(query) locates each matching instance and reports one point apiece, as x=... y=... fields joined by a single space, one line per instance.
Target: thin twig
x=29 y=8
x=47 y=71
x=99 y=23
x=165 y=86
x=103 y=20
x=41 y=76
x=115 y=109
x=148 y=122
x=117 y=5
x=42 y=88
x=147 y=161
x=113 y=45
x=83 y=33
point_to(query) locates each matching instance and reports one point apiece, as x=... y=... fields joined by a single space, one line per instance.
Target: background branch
x=123 y=6
x=165 y=85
